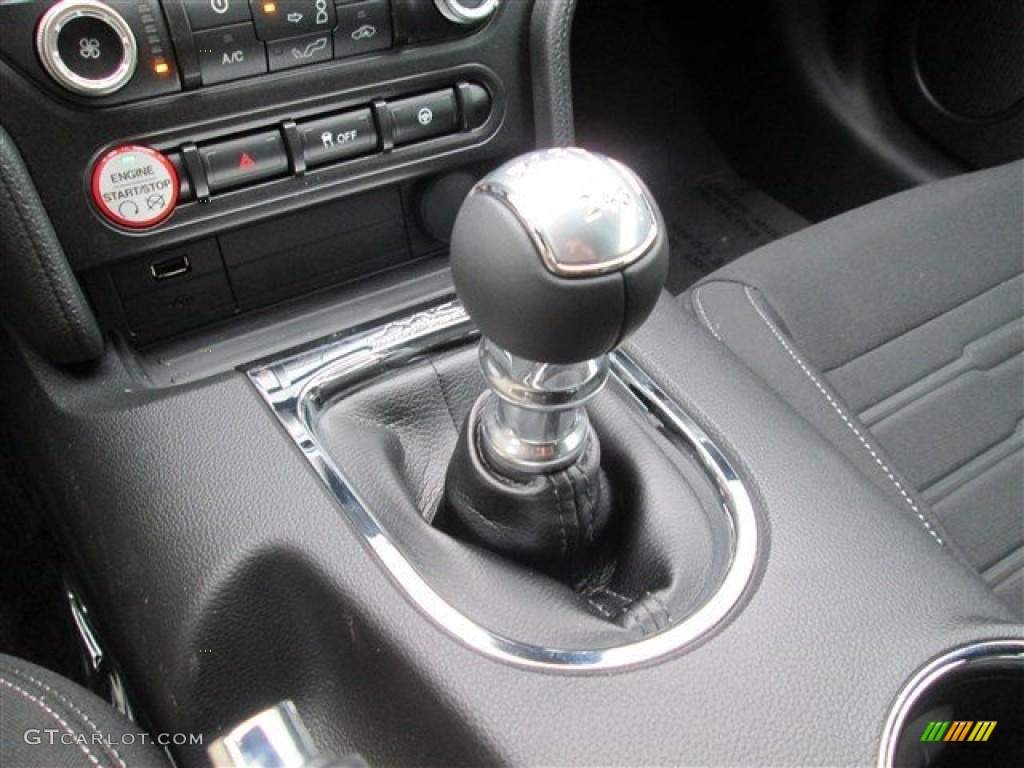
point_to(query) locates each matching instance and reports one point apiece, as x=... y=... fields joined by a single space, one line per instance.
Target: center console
x=196 y=169
x=310 y=249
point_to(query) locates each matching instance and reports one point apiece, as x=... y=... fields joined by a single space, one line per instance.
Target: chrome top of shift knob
x=585 y=213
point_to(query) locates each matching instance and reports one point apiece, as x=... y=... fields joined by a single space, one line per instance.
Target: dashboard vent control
x=87 y=47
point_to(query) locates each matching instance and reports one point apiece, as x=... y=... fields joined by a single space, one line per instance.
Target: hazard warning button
x=135 y=186
x=242 y=161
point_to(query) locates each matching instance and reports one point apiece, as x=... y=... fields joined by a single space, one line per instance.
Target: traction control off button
x=135 y=186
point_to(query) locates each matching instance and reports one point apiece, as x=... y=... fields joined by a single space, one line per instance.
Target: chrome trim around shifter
x=298 y=384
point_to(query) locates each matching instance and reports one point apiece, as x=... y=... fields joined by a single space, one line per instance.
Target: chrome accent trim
x=294 y=386
x=90 y=644
x=48 y=33
x=103 y=678
x=982 y=652
x=540 y=386
x=276 y=736
x=532 y=419
x=453 y=10
x=523 y=443
x=585 y=213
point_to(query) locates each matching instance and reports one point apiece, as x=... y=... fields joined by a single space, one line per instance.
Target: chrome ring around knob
x=48 y=42
x=466 y=13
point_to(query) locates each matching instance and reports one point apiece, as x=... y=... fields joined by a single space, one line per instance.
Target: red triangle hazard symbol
x=245 y=161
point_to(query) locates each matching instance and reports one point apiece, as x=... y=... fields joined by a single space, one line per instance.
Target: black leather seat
x=896 y=330
x=49 y=721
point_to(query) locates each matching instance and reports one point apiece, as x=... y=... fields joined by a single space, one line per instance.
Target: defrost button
x=135 y=186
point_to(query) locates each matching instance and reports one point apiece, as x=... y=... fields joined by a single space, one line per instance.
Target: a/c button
x=338 y=137
x=228 y=53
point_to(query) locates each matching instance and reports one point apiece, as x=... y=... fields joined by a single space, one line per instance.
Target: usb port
x=165 y=269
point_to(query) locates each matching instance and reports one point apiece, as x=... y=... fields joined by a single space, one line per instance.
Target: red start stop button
x=135 y=186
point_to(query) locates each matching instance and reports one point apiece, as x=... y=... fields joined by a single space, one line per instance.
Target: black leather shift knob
x=559 y=255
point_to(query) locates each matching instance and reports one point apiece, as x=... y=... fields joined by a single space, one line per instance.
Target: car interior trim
x=294 y=386
x=986 y=652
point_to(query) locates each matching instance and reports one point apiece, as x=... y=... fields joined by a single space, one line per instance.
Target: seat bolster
x=739 y=316
x=852 y=283
x=50 y=721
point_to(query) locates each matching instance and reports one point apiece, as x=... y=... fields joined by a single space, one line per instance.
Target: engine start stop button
x=135 y=186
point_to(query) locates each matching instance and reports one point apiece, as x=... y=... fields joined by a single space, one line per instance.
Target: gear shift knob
x=559 y=255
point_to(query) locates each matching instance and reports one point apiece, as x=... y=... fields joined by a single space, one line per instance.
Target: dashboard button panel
x=188 y=172
x=118 y=51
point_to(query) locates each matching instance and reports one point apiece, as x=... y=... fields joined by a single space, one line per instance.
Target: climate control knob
x=466 y=12
x=87 y=47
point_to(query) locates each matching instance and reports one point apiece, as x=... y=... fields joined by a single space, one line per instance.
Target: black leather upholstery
x=547 y=521
x=897 y=331
x=652 y=565
x=39 y=296
x=50 y=721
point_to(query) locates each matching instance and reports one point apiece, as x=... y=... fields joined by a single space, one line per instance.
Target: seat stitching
x=842 y=415
x=561 y=519
x=55 y=716
x=600 y=608
x=702 y=314
x=85 y=718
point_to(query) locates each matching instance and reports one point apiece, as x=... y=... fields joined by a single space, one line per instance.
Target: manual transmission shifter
x=557 y=256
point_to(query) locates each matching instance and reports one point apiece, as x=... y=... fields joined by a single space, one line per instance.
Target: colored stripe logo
x=958 y=730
